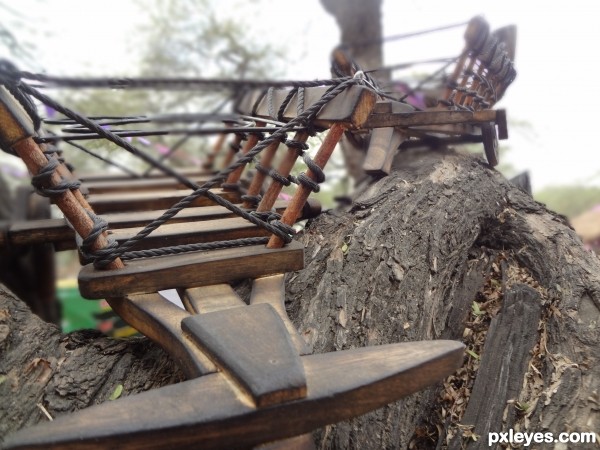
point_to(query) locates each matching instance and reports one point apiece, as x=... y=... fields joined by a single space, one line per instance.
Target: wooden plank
x=206 y=413
x=417 y=118
x=252 y=345
x=350 y=107
x=383 y=146
x=271 y=290
x=106 y=176
x=190 y=270
x=206 y=299
x=58 y=232
x=193 y=232
x=146 y=201
x=137 y=185
x=160 y=320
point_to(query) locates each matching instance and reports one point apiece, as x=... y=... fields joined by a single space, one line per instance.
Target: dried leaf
x=117 y=392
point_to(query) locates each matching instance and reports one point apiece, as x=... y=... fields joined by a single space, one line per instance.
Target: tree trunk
x=443 y=248
x=360 y=29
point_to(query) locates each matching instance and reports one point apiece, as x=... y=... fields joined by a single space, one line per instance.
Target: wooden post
x=234 y=176
x=68 y=203
x=284 y=169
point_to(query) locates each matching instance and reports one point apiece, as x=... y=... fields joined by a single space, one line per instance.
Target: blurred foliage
x=569 y=200
x=182 y=38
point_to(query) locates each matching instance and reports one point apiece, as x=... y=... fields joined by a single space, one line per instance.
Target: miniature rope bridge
x=251 y=377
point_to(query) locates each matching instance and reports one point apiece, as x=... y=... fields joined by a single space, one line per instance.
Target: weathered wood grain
x=190 y=270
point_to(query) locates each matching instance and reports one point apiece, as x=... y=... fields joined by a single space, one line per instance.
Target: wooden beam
x=350 y=107
x=190 y=270
x=146 y=201
x=207 y=413
x=193 y=232
x=62 y=236
x=160 y=320
x=139 y=184
x=206 y=299
x=410 y=119
x=104 y=176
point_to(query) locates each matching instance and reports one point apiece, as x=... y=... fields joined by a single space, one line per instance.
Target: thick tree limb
x=406 y=262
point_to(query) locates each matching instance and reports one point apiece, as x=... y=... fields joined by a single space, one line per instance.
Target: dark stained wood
x=56 y=230
x=251 y=344
x=139 y=184
x=383 y=146
x=502 y=124
x=205 y=299
x=160 y=320
x=417 y=118
x=104 y=176
x=490 y=143
x=271 y=290
x=206 y=413
x=190 y=270
x=146 y=201
x=193 y=232
x=350 y=107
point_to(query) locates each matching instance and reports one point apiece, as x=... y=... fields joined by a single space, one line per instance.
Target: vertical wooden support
x=252 y=140
x=284 y=169
x=292 y=212
x=218 y=145
x=259 y=178
x=234 y=148
x=75 y=213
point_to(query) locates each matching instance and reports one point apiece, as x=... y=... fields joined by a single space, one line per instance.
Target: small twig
x=45 y=411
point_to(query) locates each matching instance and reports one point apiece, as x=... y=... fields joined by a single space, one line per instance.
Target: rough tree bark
x=360 y=29
x=443 y=248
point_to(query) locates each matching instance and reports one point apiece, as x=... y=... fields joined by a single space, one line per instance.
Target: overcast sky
x=555 y=91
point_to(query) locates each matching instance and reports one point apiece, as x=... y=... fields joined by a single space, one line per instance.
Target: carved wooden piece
x=252 y=346
x=189 y=270
x=348 y=107
x=271 y=290
x=420 y=118
x=383 y=146
x=206 y=299
x=206 y=413
x=160 y=320
x=62 y=236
